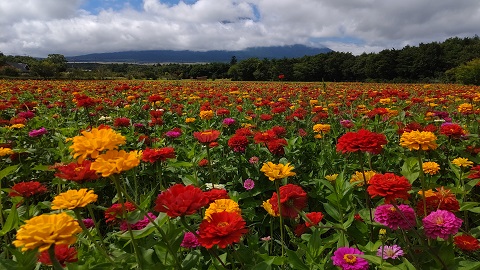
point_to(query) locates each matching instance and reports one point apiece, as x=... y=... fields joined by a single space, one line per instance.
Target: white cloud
x=40 y=27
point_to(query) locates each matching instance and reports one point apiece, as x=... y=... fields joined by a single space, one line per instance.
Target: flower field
x=238 y=175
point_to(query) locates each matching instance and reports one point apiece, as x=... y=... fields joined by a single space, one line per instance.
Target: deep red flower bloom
x=121 y=122
x=452 y=130
x=207 y=136
x=84 y=101
x=160 y=154
x=180 y=200
x=203 y=162
x=279 y=131
x=314 y=217
x=292 y=199
x=238 y=143
x=244 y=131
x=114 y=213
x=466 y=242
x=389 y=186
x=27 y=189
x=276 y=147
x=63 y=253
x=266 y=117
x=215 y=194
x=300 y=229
x=77 y=172
x=361 y=141
x=264 y=137
x=443 y=200
x=223 y=229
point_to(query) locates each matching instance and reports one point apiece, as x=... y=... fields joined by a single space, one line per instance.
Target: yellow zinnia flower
x=268 y=207
x=331 y=177
x=190 y=120
x=206 y=115
x=465 y=108
x=47 y=229
x=277 y=171
x=5 y=151
x=430 y=167
x=428 y=193
x=419 y=140
x=321 y=128
x=116 y=162
x=72 y=199
x=357 y=178
x=16 y=126
x=462 y=162
x=91 y=143
x=221 y=205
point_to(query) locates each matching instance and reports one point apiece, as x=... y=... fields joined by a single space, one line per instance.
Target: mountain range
x=186 y=56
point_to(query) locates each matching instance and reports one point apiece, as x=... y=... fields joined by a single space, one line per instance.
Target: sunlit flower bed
x=238 y=175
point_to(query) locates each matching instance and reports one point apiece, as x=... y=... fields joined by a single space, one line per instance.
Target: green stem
x=422 y=181
x=367 y=199
x=210 y=170
x=55 y=263
x=97 y=228
x=277 y=187
x=89 y=235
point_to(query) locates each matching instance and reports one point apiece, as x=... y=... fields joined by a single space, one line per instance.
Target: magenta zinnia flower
x=441 y=223
x=139 y=224
x=190 y=240
x=248 y=184
x=390 y=252
x=389 y=216
x=347 y=259
x=37 y=132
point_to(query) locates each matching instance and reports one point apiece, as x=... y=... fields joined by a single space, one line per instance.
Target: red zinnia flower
x=264 y=137
x=207 y=136
x=63 y=253
x=244 y=131
x=154 y=155
x=276 y=147
x=121 y=122
x=238 y=143
x=84 y=101
x=292 y=199
x=115 y=212
x=452 y=130
x=266 y=117
x=27 y=189
x=361 y=141
x=314 y=217
x=203 y=162
x=180 y=200
x=443 y=200
x=223 y=229
x=466 y=242
x=77 y=172
x=215 y=194
x=279 y=131
x=389 y=186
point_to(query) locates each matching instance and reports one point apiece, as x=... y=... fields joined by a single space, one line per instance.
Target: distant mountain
x=172 y=56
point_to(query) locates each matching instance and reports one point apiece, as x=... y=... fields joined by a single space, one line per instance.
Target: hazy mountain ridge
x=185 y=56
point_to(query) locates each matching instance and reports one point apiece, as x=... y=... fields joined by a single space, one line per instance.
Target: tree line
x=453 y=60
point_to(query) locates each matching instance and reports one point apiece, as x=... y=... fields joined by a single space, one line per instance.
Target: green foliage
x=468 y=73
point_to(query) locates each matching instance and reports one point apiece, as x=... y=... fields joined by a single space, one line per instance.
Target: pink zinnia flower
x=389 y=216
x=390 y=252
x=441 y=223
x=139 y=224
x=248 y=184
x=347 y=259
x=38 y=132
x=88 y=222
x=190 y=240
x=253 y=160
x=228 y=121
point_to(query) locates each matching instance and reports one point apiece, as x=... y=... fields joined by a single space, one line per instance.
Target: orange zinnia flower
x=207 y=136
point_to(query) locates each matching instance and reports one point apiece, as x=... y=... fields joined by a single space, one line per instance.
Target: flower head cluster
x=277 y=171
x=358 y=177
x=63 y=253
x=389 y=216
x=139 y=224
x=361 y=141
x=390 y=252
x=441 y=223
x=238 y=143
x=462 y=162
x=37 y=132
x=452 y=130
x=430 y=167
x=72 y=199
x=180 y=200
x=314 y=218
x=4 y=151
x=115 y=212
x=442 y=199
x=77 y=172
x=222 y=229
x=221 y=205
x=45 y=230
x=207 y=136
x=466 y=242
x=27 y=189
x=160 y=154
x=389 y=186
x=419 y=140
x=190 y=240
x=292 y=200
x=92 y=143
x=114 y=162
x=348 y=258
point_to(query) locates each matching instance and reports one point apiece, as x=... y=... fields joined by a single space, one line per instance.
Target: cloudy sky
x=74 y=27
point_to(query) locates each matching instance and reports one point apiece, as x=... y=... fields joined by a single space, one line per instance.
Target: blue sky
x=74 y=27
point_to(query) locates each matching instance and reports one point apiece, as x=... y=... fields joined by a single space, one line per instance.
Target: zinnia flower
x=114 y=161
x=161 y=154
x=331 y=177
x=292 y=199
x=248 y=184
x=268 y=207
x=77 y=172
x=388 y=215
x=37 y=132
x=277 y=171
x=238 y=143
x=430 y=167
x=206 y=115
x=121 y=122
x=47 y=229
x=361 y=141
x=6 y=151
x=223 y=229
x=72 y=199
x=443 y=199
x=27 y=189
x=215 y=194
x=419 y=140
x=466 y=242
x=314 y=218
x=465 y=108
x=190 y=240
x=180 y=200
x=389 y=186
x=347 y=259
x=276 y=147
x=441 y=223
x=358 y=178
x=462 y=162
x=63 y=253
x=207 y=136
x=91 y=143
x=321 y=128
x=139 y=224
x=115 y=212
x=390 y=252
x=221 y=205
x=452 y=130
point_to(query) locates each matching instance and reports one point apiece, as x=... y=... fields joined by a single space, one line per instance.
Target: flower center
x=439 y=220
x=206 y=133
x=349 y=258
x=78 y=169
x=222 y=224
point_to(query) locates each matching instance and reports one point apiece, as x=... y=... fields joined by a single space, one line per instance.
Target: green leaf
x=7 y=171
x=295 y=261
x=11 y=222
x=41 y=167
x=468 y=205
x=332 y=211
x=410 y=169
